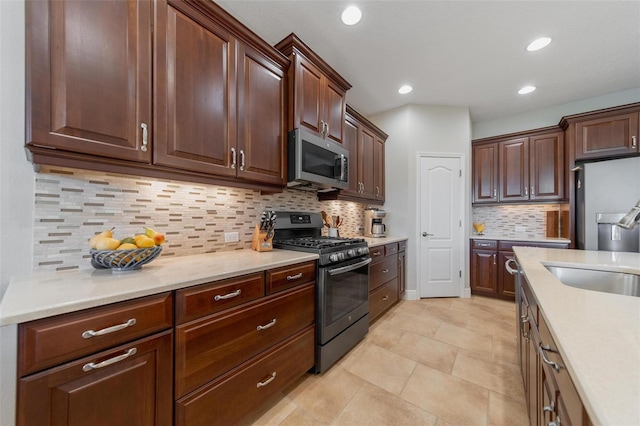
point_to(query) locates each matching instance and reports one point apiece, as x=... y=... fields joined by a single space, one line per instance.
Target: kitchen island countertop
x=47 y=293
x=598 y=334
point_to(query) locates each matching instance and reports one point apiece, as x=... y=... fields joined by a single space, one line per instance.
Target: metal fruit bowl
x=123 y=260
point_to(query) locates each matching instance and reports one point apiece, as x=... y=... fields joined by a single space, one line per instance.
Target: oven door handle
x=338 y=271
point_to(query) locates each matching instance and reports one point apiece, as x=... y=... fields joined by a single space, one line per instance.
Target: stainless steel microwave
x=316 y=163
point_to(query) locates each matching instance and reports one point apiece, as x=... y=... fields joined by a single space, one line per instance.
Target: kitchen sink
x=592 y=279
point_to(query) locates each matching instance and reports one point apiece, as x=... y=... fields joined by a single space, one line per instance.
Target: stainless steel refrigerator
x=606 y=190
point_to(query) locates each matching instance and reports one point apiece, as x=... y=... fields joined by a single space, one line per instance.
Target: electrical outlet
x=231 y=237
x=521 y=229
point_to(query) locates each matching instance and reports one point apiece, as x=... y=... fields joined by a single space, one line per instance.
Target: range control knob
x=363 y=250
x=333 y=257
x=351 y=253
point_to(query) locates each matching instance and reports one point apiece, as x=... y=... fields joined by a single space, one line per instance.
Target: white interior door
x=440 y=221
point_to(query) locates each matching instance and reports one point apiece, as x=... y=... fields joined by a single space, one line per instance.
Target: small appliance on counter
x=373 y=226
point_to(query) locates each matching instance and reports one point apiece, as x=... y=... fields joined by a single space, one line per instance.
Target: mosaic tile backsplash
x=502 y=220
x=73 y=205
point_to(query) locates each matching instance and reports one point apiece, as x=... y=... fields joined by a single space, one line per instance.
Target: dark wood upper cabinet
x=88 y=79
x=485 y=173
x=262 y=121
x=546 y=166
x=610 y=136
x=514 y=170
x=378 y=169
x=317 y=91
x=529 y=166
x=195 y=92
x=350 y=142
x=366 y=163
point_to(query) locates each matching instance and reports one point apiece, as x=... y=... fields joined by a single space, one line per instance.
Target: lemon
x=127 y=246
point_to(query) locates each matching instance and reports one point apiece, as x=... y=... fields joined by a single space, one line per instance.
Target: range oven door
x=343 y=297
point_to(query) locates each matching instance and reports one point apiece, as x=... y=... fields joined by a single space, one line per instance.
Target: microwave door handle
x=338 y=271
x=343 y=162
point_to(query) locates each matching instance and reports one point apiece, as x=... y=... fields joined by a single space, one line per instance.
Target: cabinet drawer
x=391 y=249
x=484 y=244
x=211 y=346
x=133 y=389
x=206 y=299
x=376 y=253
x=290 y=276
x=51 y=341
x=402 y=246
x=509 y=245
x=243 y=390
x=566 y=388
x=382 y=298
x=382 y=272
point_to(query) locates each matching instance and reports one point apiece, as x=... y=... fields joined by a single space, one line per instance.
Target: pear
x=107 y=243
x=104 y=234
x=156 y=236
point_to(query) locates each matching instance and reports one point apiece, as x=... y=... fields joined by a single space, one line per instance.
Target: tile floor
x=428 y=362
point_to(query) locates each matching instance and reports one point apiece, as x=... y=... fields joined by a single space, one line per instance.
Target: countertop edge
x=521 y=238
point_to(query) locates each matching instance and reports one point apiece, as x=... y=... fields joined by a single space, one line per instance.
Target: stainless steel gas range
x=342 y=283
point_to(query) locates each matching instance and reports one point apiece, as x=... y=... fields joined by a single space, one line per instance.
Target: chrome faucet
x=631 y=219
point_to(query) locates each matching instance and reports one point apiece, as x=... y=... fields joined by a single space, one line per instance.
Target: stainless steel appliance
x=373 y=226
x=315 y=163
x=342 y=284
x=602 y=190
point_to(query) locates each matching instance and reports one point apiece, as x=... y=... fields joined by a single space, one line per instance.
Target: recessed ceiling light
x=351 y=15
x=538 y=44
x=526 y=89
x=405 y=89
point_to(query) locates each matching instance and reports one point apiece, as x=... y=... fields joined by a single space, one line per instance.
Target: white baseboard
x=466 y=293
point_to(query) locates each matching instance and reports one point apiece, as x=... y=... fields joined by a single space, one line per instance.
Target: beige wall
x=415 y=129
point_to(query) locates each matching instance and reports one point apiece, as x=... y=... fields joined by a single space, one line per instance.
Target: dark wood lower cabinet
x=236 y=394
x=127 y=385
x=387 y=278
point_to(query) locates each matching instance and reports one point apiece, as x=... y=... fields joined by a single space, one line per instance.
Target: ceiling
x=463 y=53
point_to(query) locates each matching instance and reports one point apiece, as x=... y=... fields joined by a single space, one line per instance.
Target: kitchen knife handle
x=233 y=158
x=241 y=160
x=145 y=137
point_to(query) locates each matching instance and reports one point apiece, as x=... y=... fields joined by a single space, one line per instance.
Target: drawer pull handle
x=386 y=297
x=549 y=408
x=269 y=325
x=543 y=352
x=294 y=277
x=90 y=333
x=384 y=271
x=231 y=295
x=376 y=253
x=266 y=382
x=92 y=366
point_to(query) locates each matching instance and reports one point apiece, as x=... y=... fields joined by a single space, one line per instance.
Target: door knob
x=424 y=234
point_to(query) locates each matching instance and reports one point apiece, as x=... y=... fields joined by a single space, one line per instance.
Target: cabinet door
x=485 y=173
x=334 y=106
x=514 y=170
x=546 y=172
x=607 y=137
x=484 y=278
x=366 y=156
x=89 y=77
x=506 y=281
x=261 y=118
x=195 y=92
x=131 y=388
x=532 y=368
x=402 y=277
x=308 y=95
x=350 y=142
x=378 y=169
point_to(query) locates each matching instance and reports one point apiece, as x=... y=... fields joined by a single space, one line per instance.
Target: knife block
x=260 y=242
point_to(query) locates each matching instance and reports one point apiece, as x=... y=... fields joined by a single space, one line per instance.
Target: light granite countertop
x=45 y=294
x=520 y=238
x=598 y=334
x=375 y=242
